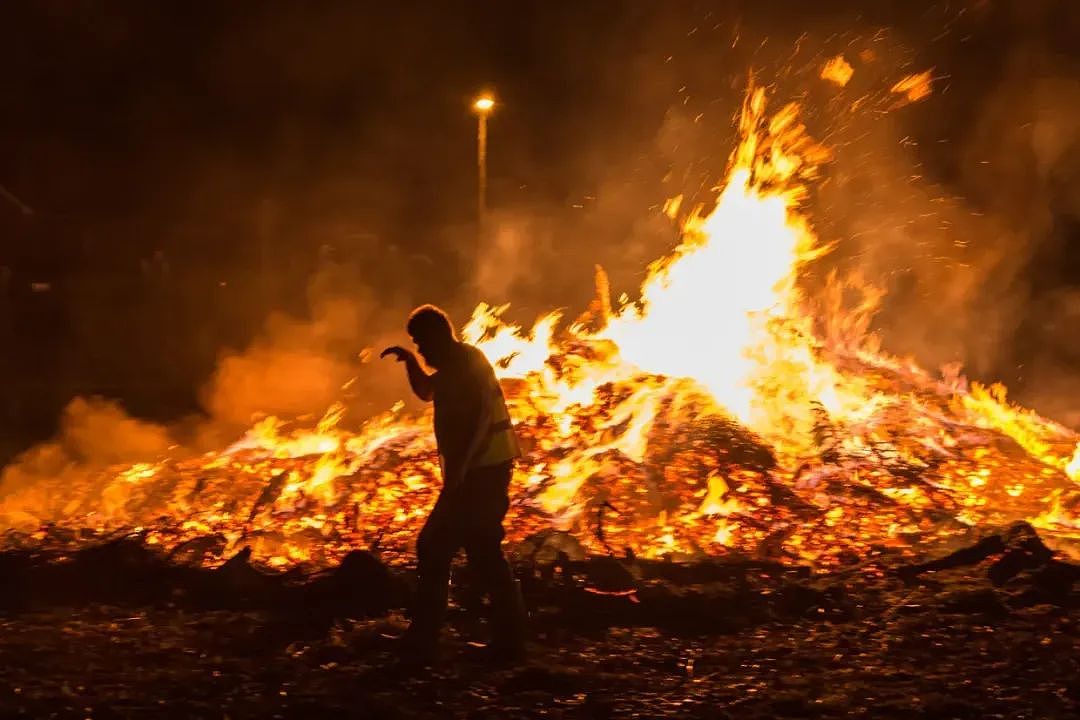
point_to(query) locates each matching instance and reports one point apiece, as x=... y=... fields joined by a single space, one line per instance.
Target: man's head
x=433 y=334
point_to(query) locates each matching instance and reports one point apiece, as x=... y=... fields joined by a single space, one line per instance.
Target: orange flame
x=837 y=70
x=719 y=410
x=914 y=87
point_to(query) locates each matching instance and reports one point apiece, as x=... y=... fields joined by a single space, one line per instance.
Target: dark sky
x=240 y=136
x=126 y=112
x=185 y=112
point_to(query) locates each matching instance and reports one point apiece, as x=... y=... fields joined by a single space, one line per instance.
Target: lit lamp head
x=483 y=104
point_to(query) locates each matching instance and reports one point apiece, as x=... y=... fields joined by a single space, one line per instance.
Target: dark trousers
x=468 y=517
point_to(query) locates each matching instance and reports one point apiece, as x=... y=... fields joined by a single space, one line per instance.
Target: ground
x=954 y=646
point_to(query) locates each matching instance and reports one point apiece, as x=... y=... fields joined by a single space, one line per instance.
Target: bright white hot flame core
x=722 y=309
x=703 y=310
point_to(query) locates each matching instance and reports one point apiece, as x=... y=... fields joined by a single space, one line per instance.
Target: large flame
x=718 y=411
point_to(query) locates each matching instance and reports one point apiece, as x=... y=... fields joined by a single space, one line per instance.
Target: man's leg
x=435 y=549
x=487 y=563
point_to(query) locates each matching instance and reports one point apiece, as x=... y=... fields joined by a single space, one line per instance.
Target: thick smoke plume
x=294 y=369
x=94 y=434
x=959 y=259
x=298 y=366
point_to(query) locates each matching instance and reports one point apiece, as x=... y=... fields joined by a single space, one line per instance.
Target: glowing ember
x=720 y=411
x=837 y=70
x=914 y=87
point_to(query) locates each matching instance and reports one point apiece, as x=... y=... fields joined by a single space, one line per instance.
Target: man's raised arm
x=419 y=381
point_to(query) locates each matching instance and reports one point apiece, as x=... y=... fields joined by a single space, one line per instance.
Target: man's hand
x=419 y=381
x=399 y=353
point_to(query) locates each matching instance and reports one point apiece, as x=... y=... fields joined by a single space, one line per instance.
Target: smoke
x=298 y=366
x=94 y=433
x=1022 y=157
x=967 y=254
x=1019 y=172
x=916 y=241
x=99 y=431
x=295 y=368
x=510 y=255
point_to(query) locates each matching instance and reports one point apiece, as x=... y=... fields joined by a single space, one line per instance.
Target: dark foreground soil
x=988 y=631
x=913 y=660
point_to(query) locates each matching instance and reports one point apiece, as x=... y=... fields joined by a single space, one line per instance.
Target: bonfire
x=720 y=411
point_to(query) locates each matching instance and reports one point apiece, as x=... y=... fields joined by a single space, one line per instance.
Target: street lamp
x=482 y=106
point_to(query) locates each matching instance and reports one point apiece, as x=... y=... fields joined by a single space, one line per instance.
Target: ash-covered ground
x=987 y=632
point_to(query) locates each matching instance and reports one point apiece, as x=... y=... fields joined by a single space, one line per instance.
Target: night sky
x=238 y=138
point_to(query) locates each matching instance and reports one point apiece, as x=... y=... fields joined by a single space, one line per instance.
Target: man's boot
x=509 y=626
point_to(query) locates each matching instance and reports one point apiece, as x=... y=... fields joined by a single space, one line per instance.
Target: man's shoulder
x=477 y=364
x=475 y=354
x=469 y=364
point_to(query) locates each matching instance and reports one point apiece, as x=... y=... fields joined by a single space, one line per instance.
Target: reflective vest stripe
x=502 y=445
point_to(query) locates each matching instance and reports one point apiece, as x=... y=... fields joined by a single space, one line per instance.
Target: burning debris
x=719 y=413
x=837 y=70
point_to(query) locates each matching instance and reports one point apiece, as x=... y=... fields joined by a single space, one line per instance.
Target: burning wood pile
x=724 y=412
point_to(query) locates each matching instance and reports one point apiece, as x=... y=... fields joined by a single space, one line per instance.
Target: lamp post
x=482 y=106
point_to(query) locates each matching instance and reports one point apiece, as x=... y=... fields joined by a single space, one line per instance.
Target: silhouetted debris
x=717 y=570
x=360 y=587
x=981 y=550
x=607 y=575
x=1024 y=550
x=1021 y=570
x=544 y=547
x=238 y=584
x=199 y=549
x=981 y=601
x=985 y=631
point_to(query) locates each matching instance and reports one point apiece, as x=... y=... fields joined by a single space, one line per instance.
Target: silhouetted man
x=477 y=449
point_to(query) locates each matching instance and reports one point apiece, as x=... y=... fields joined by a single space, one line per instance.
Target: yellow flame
x=633 y=415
